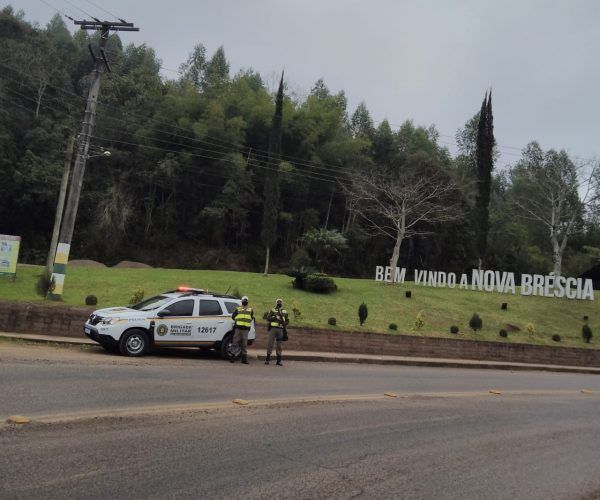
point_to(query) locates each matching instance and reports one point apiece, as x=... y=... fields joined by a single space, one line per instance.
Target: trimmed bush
x=91 y=300
x=331 y=321
x=393 y=326
x=530 y=327
x=408 y=294
x=503 y=333
x=475 y=323
x=137 y=297
x=556 y=337
x=454 y=329
x=363 y=312
x=586 y=333
x=420 y=321
x=319 y=283
x=300 y=274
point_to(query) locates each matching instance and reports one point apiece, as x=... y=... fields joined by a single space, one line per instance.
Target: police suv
x=185 y=317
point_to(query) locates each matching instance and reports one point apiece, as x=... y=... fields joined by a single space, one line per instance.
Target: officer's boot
x=279 y=363
x=268 y=359
x=244 y=359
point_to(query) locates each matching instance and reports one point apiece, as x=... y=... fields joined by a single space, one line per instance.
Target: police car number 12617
x=207 y=329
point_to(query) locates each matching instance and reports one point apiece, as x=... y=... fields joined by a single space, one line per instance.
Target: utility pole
x=60 y=205
x=83 y=144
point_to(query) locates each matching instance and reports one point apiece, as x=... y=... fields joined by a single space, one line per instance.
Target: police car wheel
x=133 y=343
x=227 y=349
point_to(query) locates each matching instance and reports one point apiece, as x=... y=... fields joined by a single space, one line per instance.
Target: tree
x=361 y=122
x=404 y=203
x=324 y=243
x=484 y=154
x=545 y=189
x=271 y=194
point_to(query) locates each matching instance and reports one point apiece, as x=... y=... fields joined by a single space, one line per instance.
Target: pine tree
x=485 y=165
x=271 y=194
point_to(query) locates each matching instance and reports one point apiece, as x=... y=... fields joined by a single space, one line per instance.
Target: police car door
x=174 y=324
x=213 y=322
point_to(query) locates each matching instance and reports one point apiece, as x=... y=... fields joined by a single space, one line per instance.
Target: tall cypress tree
x=271 y=194
x=485 y=165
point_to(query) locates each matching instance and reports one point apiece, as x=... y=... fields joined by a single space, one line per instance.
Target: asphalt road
x=541 y=445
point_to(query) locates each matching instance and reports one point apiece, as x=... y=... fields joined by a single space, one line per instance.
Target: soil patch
x=129 y=264
x=85 y=263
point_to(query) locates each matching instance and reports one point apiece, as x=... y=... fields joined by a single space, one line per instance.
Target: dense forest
x=184 y=185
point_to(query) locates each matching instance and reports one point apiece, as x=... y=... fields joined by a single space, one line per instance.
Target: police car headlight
x=109 y=321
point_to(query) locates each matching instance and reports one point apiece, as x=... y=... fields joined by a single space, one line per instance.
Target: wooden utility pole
x=83 y=145
x=60 y=205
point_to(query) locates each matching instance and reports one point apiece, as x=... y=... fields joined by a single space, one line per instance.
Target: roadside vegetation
x=437 y=308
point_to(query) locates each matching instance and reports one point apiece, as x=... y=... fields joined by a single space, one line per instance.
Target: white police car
x=185 y=317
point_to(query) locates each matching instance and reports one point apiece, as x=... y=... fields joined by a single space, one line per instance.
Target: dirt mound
x=85 y=263
x=129 y=264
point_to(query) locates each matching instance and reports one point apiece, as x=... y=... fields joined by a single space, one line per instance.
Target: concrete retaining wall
x=60 y=320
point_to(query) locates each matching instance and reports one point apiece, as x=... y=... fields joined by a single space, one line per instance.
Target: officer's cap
x=279 y=301
x=244 y=298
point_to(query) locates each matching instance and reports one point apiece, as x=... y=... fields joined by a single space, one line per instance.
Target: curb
x=329 y=358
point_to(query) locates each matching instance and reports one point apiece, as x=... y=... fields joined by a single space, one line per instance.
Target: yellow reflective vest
x=278 y=319
x=243 y=317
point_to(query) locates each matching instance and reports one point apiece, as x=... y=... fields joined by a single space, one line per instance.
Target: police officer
x=243 y=317
x=278 y=320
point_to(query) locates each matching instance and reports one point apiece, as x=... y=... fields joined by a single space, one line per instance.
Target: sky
x=428 y=60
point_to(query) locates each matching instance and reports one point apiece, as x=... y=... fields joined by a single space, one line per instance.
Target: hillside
x=387 y=304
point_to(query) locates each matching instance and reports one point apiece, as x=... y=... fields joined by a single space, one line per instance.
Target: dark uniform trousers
x=240 y=337
x=275 y=336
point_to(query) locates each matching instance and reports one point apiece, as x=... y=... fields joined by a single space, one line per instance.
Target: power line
x=104 y=10
x=81 y=10
x=57 y=10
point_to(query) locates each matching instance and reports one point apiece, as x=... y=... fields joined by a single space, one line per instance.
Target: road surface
x=445 y=436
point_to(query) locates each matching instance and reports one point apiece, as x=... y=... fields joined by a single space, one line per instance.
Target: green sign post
x=9 y=254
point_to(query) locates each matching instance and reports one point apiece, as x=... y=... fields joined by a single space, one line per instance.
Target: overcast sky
x=426 y=60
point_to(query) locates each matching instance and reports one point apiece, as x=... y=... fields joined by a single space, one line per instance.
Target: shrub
x=420 y=321
x=503 y=333
x=319 y=283
x=363 y=312
x=137 y=297
x=91 y=300
x=296 y=309
x=530 y=327
x=300 y=274
x=45 y=284
x=393 y=326
x=475 y=323
x=331 y=321
x=454 y=329
x=556 y=337
x=504 y=306
x=586 y=333
x=408 y=294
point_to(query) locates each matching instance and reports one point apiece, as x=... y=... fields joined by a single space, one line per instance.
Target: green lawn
x=387 y=303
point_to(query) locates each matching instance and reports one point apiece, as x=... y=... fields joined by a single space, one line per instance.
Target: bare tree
x=548 y=188
x=403 y=204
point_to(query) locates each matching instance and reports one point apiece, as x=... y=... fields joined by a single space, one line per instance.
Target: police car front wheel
x=133 y=343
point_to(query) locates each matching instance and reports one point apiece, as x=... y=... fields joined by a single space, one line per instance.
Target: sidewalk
x=335 y=357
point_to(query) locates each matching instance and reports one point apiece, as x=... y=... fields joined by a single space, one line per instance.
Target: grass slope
x=440 y=307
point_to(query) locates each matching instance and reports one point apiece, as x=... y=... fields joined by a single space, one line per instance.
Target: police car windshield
x=152 y=303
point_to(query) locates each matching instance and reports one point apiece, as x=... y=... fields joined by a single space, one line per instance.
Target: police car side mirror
x=163 y=313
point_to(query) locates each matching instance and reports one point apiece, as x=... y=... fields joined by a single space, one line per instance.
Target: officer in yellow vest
x=243 y=317
x=278 y=320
